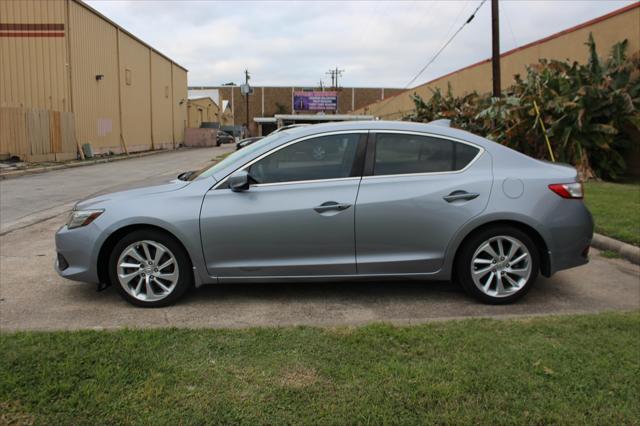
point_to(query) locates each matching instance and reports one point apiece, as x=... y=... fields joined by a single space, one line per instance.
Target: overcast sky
x=378 y=44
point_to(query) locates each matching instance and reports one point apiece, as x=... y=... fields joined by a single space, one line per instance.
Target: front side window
x=244 y=153
x=324 y=157
x=406 y=154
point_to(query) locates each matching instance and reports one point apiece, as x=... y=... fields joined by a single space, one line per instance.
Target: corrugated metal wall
x=34 y=54
x=199 y=110
x=179 y=103
x=135 y=89
x=95 y=100
x=68 y=57
x=161 y=94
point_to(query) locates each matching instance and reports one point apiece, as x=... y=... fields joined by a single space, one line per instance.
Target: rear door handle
x=460 y=195
x=331 y=205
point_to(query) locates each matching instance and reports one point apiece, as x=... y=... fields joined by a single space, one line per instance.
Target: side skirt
x=434 y=276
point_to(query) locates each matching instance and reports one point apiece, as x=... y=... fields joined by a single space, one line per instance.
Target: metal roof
x=119 y=27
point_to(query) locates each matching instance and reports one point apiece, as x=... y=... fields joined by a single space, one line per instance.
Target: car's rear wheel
x=150 y=269
x=498 y=265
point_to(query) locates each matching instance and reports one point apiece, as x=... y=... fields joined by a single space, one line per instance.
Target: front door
x=296 y=219
x=419 y=192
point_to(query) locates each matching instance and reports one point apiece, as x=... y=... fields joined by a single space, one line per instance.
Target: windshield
x=235 y=156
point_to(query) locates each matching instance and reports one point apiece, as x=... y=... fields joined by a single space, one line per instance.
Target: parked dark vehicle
x=246 y=142
x=224 y=137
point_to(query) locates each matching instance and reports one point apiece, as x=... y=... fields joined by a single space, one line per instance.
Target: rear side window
x=403 y=154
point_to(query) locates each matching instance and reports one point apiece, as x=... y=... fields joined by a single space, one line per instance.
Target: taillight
x=568 y=190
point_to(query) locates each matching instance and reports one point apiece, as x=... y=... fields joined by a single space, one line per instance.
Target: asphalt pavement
x=34 y=297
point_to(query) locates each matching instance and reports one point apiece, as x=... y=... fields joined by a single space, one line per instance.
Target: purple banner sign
x=315 y=101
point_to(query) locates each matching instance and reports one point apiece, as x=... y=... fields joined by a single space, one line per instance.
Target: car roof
x=498 y=151
x=372 y=125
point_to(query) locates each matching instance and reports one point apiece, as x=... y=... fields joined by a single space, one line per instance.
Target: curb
x=626 y=251
x=78 y=163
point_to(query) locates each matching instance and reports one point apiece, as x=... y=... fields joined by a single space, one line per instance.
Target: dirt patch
x=342 y=330
x=12 y=413
x=298 y=377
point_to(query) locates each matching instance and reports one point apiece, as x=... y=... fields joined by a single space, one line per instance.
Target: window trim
x=220 y=185
x=369 y=166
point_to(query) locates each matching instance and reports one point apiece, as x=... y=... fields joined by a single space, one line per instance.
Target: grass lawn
x=572 y=369
x=616 y=209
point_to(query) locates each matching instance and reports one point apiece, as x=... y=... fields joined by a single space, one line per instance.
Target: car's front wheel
x=498 y=265
x=150 y=268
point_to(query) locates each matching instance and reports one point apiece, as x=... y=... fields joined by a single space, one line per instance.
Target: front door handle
x=460 y=195
x=331 y=205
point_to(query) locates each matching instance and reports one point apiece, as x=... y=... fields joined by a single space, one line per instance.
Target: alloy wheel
x=147 y=270
x=501 y=266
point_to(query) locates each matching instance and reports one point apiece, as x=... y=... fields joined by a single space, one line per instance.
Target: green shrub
x=591 y=111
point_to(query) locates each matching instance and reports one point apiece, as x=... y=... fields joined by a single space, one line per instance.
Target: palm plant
x=591 y=111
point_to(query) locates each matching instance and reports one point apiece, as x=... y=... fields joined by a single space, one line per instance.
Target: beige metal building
x=266 y=101
x=565 y=45
x=206 y=110
x=70 y=76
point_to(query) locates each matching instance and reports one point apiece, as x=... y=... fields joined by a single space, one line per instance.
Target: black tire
x=463 y=265
x=185 y=274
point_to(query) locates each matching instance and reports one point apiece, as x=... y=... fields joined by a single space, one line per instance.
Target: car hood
x=141 y=190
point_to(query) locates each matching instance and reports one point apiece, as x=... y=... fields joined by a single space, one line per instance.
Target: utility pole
x=333 y=76
x=334 y=73
x=495 y=50
x=246 y=97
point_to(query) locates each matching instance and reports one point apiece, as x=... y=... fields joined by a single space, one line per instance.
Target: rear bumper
x=571 y=234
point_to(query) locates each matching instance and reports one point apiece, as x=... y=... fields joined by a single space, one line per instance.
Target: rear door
x=418 y=190
x=297 y=219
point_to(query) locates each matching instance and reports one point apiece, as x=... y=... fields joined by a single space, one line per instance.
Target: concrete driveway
x=32 y=296
x=36 y=196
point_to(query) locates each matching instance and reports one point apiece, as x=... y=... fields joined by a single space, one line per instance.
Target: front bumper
x=77 y=253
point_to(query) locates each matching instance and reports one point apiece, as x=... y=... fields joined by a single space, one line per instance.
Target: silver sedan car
x=339 y=201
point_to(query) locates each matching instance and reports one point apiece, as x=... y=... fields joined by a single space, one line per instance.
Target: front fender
x=177 y=214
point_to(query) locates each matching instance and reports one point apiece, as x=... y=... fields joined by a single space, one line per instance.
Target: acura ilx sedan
x=339 y=201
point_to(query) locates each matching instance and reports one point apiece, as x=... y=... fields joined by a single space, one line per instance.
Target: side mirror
x=185 y=175
x=239 y=181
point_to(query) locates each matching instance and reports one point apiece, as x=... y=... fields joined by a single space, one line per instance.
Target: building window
x=127 y=77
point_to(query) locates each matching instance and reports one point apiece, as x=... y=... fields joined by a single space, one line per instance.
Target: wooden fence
x=37 y=135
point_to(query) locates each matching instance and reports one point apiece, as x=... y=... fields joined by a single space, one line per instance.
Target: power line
x=456 y=20
x=506 y=15
x=434 y=57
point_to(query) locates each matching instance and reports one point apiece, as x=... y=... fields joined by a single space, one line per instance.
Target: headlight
x=79 y=218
